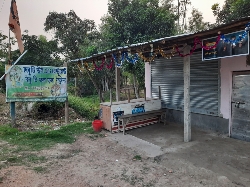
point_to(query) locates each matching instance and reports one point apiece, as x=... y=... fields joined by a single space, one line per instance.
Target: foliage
x=182 y=14
x=41 y=52
x=71 y=31
x=137 y=157
x=3 y=47
x=87 y=107
x=136 y=69
x=98 y=78
x=196 y=22
x=129 y=22
x=3 y=58
x=231 y=10
x=78 y=38
x=135 y=21
x=2 y=82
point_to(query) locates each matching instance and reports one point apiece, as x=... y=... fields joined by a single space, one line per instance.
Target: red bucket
x=97 y=125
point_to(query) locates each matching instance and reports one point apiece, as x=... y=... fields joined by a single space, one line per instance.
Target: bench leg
x=125 y=124
x=118 y=125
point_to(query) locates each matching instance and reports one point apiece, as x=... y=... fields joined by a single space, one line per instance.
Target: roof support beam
x=187 y=112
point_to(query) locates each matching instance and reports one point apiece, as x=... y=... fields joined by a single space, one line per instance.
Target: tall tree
x=41 y=51
x=74 y=35
x=3 y=58
x=196 y=22
x=3 y=47
x=231 y=10
x=182 y=8
x=133 y=21
x=71 y=31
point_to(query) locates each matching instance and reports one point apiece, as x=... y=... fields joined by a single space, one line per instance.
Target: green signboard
x=36 y=83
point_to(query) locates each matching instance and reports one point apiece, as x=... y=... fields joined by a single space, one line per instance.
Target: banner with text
x=226 y=49
x=36 y=83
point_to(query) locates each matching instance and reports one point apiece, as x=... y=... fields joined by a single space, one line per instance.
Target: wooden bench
x=125 y=119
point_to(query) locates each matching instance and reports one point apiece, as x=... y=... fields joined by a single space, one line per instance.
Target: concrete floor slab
x=218 y=153
x=142 y=146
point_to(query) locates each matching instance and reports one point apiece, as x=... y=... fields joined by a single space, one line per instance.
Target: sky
x=32 y=13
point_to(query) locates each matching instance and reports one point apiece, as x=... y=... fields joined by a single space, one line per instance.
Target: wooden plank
x=143 y=114
x=106 y=117
x=187 y=111
x=136 y=118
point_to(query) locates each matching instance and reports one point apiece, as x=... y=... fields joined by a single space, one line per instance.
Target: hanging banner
x=36 y=83
x=233 y=44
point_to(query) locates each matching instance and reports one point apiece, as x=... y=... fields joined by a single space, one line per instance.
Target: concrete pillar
x=187 y=112
x=148 y=79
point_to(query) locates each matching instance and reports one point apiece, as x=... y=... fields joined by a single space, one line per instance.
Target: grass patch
x=131 y=179
x=44 y=138
x=40 y=169
x=14 y=159
x=36 y=159
x=137 y=157
x=16 y=151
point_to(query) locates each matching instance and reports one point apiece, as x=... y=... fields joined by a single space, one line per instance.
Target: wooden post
x=145 y=94
x=66 y=102
x=110 y=96
x=128 y=96
x=117 y=83
x=159 y=90
x=13 y=113
x=187 y=113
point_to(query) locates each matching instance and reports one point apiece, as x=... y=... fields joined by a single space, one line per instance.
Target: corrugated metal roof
x=225 y=28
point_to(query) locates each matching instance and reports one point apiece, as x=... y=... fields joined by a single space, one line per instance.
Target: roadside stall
x=129 y=114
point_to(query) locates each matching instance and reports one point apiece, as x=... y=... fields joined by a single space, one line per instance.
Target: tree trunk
x=178 y=13
x=95 y=85
x=106 y=84
x=135 y=87
x=103 y=85
x=76 y=86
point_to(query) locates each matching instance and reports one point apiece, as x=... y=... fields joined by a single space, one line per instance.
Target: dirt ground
x=153 y=156
x=209 y=160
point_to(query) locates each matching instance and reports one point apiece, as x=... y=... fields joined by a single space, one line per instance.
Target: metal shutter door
x=204 y=81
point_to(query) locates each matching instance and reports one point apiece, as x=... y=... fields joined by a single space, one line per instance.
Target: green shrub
x=87 y=107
